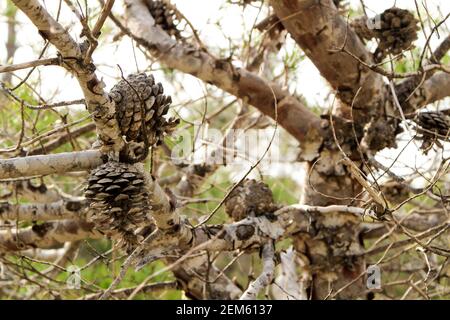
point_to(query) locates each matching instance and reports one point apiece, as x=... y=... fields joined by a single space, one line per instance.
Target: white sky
x=57 y=86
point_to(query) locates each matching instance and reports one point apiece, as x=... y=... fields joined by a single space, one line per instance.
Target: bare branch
x=46 y=235
x=63 y=209
x=434 y=89
x=31 y=64
x=96 y=31
x=322 y=33
x=49 y=164
x=266 y=275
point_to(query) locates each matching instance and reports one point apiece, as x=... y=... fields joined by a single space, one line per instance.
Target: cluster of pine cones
x=396 y=29
x=432 y=128
x=116 y=191
x=165 y=17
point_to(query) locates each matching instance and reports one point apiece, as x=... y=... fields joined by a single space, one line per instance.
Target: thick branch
x=409 y=87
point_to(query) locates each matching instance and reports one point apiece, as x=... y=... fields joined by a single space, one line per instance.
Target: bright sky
x=57 y=86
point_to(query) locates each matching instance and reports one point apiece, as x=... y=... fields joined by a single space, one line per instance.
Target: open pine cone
x=249 y=198
x=398 y=30
x=129 y=96
x=165 y=17
x=118 y=200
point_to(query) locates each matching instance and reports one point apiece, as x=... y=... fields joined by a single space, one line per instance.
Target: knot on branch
x=119 y=202
x=249 y=198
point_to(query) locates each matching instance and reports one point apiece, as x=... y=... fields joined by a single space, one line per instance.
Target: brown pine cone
x=397 y=30
x=165 y=17
x=249 y=198
x=434 y=121
x=432 y=127
x=118 y=202
x=129 y=96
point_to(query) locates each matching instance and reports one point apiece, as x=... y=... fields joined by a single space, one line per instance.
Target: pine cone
x=165 y=17
x=250 y=198
x=118 y=200
x=434 y=121
x=432 y=126
x=396 y=32
x=129 y=104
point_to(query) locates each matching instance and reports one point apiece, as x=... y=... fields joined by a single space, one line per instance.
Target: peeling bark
x=327 y=40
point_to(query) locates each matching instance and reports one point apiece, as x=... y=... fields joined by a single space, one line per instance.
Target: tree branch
x=30 y=64
x=266 y=276
x=97 y=100
x=436 y=88
x=63 y=209
x=46 y=235
x=50 y=164
x=323 y=34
